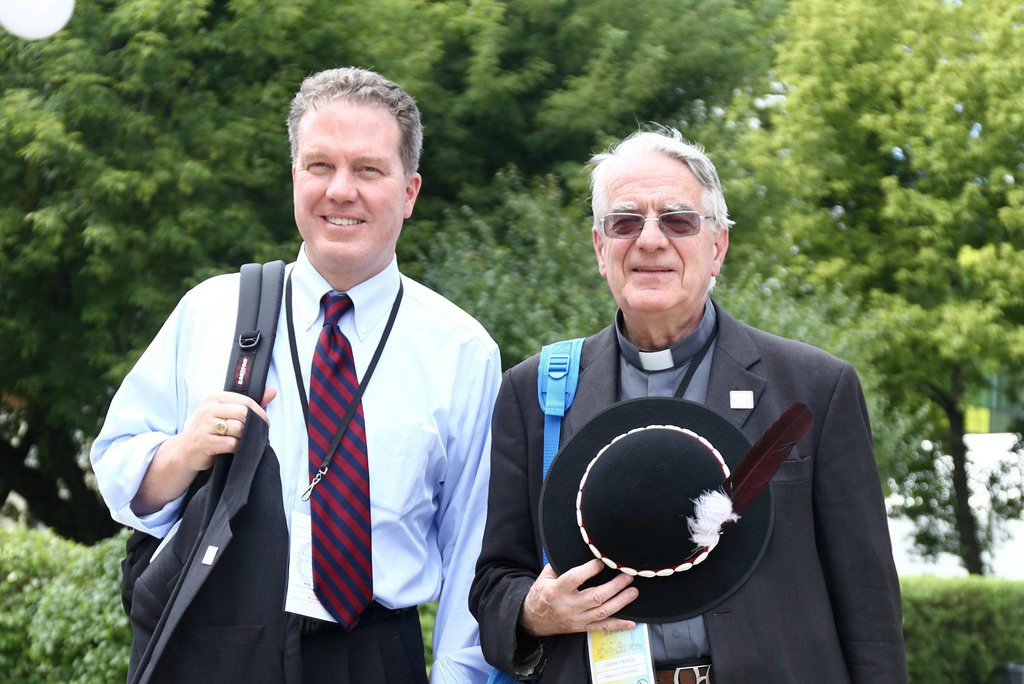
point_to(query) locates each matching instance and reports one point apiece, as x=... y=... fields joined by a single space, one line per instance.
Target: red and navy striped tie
x=340 y=503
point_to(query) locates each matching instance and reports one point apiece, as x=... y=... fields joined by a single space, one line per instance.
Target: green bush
x=961 y=629
x=61 y=618
x=27 y=564
x=60 y=609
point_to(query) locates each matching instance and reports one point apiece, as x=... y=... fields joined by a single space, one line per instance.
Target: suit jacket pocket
x=794 y=470
x=221 y=653
x=228 y=635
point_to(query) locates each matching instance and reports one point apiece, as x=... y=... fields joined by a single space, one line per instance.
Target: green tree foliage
x=142 y=149
x=894 y=157
x=527 y=267
x=540 y=83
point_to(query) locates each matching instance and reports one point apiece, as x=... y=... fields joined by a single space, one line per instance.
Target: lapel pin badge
x=741 y=399
x=211 y=553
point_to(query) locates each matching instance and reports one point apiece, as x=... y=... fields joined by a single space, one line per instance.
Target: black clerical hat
x=624 y=489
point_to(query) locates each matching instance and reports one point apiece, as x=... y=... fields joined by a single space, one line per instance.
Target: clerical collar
x=673 y=357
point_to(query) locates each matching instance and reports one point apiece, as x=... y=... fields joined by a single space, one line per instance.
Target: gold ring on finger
x=221 y=427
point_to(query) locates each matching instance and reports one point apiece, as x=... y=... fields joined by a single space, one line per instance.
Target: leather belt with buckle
x=309 y=626
x=694 y=674
x=374 y=612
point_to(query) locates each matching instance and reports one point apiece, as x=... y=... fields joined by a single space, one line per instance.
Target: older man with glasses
x=823 y=602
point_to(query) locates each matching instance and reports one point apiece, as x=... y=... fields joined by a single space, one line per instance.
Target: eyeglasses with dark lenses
x=674 y=224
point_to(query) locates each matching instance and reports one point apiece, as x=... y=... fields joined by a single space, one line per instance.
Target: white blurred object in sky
x=35 y=19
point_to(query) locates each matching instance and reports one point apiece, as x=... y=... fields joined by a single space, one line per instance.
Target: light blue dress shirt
x=427 y=411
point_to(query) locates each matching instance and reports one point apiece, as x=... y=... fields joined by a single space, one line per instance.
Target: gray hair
x=363 y=87
x=669 y=142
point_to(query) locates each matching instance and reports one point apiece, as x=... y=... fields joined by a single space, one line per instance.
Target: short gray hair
x=364 y=87
x=669 y=142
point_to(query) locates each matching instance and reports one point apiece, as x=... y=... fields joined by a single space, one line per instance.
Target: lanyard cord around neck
x=350 y=411
x=695 y=362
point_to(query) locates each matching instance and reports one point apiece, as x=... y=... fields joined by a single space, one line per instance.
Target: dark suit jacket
x=202 y=615
x=823 y=605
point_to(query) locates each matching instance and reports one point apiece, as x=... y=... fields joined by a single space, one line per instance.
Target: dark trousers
x=386 y=651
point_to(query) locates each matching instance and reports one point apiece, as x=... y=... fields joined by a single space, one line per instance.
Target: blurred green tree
x=886 y=160
x=541 y=83
x=526 y=267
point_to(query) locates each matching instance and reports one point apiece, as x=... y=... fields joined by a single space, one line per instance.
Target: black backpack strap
x=259 y=306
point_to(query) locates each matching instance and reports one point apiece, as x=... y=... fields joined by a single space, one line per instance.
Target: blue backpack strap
x=557 y=377
x=499 y=677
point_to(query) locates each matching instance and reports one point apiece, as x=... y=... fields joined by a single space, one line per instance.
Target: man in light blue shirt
x=356 y=141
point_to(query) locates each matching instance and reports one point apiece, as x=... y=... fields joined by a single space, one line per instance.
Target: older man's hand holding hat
x=557 y=605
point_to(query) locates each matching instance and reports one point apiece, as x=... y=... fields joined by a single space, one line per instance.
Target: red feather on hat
x=762 y=460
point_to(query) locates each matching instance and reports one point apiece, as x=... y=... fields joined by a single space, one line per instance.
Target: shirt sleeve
x=144 y=412
x=462 y=512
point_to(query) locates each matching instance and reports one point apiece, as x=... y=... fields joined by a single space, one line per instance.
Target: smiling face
x=350 y=192
x=660 y=284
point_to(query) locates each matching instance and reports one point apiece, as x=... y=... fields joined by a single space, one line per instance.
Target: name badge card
x=621 y=657
x=301 y=599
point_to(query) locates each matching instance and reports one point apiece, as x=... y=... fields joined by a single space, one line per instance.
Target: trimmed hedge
x=962 y=629
x=61 y=617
